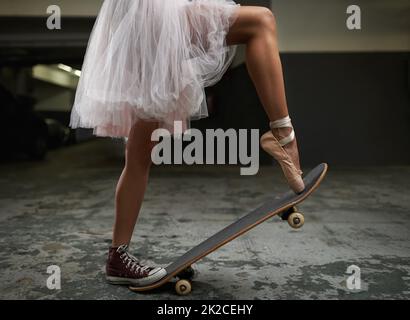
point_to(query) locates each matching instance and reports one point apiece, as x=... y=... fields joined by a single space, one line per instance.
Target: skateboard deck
x=282 y=205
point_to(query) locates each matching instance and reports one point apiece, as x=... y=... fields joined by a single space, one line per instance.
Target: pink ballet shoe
x=274 y=147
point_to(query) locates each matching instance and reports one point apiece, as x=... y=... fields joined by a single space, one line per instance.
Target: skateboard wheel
x=188 y=273
x=296 y=220
x=183 y=287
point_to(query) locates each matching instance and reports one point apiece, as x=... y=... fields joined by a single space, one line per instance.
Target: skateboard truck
x=183 y=285
x=294 y=217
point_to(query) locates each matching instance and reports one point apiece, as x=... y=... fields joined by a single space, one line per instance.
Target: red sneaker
x=124 y=268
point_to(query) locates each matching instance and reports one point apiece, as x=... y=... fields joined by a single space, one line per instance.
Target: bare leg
x=256 y=27
x=133 y=181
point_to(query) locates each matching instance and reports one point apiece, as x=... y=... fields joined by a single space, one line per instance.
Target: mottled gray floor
x=60 y=212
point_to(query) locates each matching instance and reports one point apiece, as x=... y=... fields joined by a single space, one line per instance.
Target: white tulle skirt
x=150 y=60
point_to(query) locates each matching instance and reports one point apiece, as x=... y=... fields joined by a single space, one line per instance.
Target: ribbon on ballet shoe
x=284 y=123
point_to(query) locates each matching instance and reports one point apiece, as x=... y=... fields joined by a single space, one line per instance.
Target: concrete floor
x=60 y=212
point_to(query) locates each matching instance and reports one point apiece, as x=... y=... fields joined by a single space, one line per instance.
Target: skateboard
x=283 y=205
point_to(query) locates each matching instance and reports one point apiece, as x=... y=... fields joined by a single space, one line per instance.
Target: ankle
x=116 y=248
x=280 y=133
x=115 y=244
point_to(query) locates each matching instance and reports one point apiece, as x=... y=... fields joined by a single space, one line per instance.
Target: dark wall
x=347 y=109
x=265 y=3
x=25 y=41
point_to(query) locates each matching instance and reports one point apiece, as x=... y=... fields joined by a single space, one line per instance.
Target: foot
x=124 y=268
x=281 y=144
x=291 y=148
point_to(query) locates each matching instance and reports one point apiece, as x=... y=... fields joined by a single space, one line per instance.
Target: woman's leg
x=133 y=181
x=256 y=27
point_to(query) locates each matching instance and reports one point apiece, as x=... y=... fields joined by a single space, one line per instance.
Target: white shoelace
x=132 y=263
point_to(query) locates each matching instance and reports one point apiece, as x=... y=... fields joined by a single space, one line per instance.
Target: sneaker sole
x=137 y=282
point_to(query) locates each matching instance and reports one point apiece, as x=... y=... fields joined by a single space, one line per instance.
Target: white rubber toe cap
x=154 y=271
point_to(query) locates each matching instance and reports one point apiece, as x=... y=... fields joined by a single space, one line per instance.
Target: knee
x=266 y=20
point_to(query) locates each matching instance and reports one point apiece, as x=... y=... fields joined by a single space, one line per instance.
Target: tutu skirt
x=151 y=60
